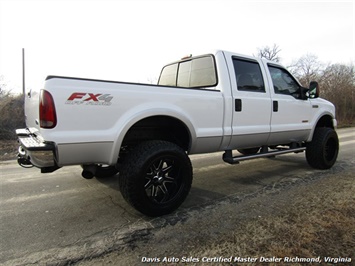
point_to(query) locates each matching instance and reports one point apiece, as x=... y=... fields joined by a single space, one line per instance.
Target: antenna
x=23 y=71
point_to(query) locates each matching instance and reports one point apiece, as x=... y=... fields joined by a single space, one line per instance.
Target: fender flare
x=130 y=118
x=316 y=124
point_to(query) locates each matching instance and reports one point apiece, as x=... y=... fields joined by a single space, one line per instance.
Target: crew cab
x=220 y=101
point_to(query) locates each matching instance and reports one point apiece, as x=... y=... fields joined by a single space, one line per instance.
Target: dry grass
x=8 y=149
x=11 y=116
x=319 y=222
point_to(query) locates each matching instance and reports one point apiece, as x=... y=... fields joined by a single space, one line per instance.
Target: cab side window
x=248 y=75
x=284 y=83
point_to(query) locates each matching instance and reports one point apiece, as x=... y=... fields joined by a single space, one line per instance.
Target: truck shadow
x=273 y=168
x=246 y=178
x=111 y=181
x=224 y=181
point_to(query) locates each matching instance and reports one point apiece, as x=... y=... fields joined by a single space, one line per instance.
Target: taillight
x=47 y=113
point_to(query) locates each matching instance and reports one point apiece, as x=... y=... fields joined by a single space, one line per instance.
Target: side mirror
x=313 y=91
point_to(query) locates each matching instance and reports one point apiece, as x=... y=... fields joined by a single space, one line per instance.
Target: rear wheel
x=155 y=177
x=322 y=152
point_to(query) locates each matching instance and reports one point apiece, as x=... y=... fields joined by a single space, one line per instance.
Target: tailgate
x=32 y=109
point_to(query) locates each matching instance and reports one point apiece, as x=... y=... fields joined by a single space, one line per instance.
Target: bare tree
x=307 y=69
x=270 y=53
x=338 y=86
x=3 y=91
x=336 y=82
x=11 y=111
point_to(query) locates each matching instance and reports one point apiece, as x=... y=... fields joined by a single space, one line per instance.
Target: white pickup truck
x=221 y=101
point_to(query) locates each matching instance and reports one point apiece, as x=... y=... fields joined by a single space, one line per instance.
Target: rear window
x=193 y=73
x=168 y=75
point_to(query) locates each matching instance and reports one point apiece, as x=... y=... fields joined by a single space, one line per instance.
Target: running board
x=228 y=156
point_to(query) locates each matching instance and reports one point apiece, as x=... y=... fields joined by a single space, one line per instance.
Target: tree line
x=11 y=112
x=336 y=81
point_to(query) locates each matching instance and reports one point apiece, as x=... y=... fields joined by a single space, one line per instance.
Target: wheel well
x=325 y=121
x=158 y=128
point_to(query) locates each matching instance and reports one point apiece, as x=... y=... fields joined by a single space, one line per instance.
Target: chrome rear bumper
x=33 y=151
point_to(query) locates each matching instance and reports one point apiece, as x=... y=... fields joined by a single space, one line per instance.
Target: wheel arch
x=156 y=126
x=159 y=127
x=326 y=120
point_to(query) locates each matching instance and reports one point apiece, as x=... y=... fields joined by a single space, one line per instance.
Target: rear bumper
x=36 y=152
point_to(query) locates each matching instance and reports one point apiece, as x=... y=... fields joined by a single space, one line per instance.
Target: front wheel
x=155 y=177
x=322 y=152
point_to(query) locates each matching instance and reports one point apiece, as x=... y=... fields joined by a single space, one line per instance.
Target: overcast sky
x=132 y=40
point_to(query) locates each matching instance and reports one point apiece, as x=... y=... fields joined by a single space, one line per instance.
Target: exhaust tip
x=87 y=174
x=21 y=151
x=89 y=171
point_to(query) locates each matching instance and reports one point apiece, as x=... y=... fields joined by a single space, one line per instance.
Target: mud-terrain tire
x=155 y=177
x=322 y=152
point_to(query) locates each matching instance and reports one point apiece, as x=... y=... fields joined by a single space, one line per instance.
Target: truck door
x=290 y=120
x=252 y=104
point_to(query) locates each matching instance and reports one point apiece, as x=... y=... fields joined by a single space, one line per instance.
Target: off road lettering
x=76 y=95
x=83 y=98
x=92 y=97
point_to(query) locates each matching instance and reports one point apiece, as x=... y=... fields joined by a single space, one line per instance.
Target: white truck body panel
x=93 y=125
x=215 y=102
x=94 y=116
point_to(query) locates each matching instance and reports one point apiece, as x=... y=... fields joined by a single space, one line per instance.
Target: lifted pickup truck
x=221 y=101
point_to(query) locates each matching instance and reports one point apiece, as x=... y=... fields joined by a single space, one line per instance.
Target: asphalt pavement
x=62 y=217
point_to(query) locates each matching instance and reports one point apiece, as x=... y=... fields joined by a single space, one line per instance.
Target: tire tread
x=315 y=149
x=130 y=174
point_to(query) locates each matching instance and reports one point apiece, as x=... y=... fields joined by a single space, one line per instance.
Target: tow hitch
x=23 y=159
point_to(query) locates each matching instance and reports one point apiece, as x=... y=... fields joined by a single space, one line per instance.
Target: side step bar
x=228 y=156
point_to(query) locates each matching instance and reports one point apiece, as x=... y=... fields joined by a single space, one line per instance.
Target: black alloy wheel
x=155 y=177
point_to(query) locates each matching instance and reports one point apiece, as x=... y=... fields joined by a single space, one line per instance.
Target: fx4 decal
x=84 y=98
